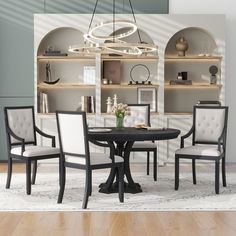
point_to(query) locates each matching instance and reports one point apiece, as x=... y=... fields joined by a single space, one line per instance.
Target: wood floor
x=115 y=223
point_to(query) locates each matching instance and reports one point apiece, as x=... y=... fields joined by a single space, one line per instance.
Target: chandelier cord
x=94 y=10
x=139 y=36
x=114 y=18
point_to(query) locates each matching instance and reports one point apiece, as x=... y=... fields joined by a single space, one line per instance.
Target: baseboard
x=14 y=161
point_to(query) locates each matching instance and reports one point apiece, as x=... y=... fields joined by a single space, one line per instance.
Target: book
x=111 y=71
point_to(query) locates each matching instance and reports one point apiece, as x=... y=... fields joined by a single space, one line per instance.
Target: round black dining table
x=123 y=139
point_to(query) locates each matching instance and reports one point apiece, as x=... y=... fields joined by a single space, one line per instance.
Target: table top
x=133 y=134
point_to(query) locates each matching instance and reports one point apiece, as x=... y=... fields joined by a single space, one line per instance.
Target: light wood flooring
x=117 y=223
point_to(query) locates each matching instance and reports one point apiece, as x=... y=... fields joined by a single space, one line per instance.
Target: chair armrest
x=108 y=144
x=222 y=140
x=185 y=136
x=46 y=135
x=11 y=133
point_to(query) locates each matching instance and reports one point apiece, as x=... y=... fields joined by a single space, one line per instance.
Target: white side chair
x=208 y=141
x=140 y=114
x=74 y=147
x=22 y=144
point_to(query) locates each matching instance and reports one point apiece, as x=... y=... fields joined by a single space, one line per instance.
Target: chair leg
x=194 y=171
x=62 y=180
x=155 y=165
x=28 y=177
x=35 y=166
x=121 y=182
x=90 y=184
x=87 y=189
x=217 y=176
x=148 y=161
x=9 y=173
x=223 y=172
x=176 y=173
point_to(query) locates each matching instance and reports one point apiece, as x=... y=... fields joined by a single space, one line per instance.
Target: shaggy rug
x=156 y=196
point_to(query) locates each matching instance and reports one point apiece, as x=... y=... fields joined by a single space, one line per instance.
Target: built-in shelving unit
x=206 y=48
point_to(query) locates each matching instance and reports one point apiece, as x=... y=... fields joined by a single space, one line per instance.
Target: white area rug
x=156 y=196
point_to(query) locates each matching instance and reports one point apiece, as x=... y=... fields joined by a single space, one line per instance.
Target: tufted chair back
x=139 y=114
x=209 y=123
x=21 y=121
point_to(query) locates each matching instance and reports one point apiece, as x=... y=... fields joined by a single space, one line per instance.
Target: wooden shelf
x=125 y=57
x=64 y=58
x=192 y=58
x=194 y=86
x=127 y=86
x=178 y=113
x=66 y=86
x=112 y=115
x=53 y=114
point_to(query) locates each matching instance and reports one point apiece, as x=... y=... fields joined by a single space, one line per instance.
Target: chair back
x=139 y=114
x=209 y=103
x=20 y=120
x=72 y=130
x=210 y=123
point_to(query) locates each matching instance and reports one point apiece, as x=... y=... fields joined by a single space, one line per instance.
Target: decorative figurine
x=181 y=46
x=213 y=70
x=109 y=105
x=115 y=100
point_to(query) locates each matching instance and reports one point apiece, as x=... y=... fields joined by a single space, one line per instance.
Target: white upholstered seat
x=95 y=159
x=198 y=150
x=32 y=151
x=144 y=144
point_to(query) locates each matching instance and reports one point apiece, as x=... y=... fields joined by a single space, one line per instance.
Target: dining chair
x=208 y=132
x=75 y=153
x=22 y=143
x=140 y=114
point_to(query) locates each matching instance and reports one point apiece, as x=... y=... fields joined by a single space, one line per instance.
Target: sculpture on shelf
x=181 y=46
x=115 y=100
x=213 y=70
x=48 y=79
x=109 y=105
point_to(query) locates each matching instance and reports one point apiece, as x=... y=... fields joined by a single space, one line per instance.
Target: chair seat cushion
x=32 y=151
x=144 y=144
x=95 y=159
x=198 y=150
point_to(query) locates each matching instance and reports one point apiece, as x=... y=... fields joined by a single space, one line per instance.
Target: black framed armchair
x=22 y=143
x=208 y=132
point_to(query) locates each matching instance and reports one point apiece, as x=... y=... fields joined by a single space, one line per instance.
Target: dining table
x=123 y=140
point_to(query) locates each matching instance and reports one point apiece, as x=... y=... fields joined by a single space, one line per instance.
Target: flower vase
x=120 y=122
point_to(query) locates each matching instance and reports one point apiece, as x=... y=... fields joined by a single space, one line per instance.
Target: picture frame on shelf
x=147 y=96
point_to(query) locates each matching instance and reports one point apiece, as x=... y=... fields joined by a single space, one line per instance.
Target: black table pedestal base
x=135 y=188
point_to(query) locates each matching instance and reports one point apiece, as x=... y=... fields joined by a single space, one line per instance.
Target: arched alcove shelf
x=202 y=53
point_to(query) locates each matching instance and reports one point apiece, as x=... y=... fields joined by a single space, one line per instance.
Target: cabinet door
x=9 y=102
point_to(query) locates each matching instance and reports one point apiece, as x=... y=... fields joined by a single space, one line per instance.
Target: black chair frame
x=221 y=144
x=147 y=150
x=22 y=143
x=87 y=167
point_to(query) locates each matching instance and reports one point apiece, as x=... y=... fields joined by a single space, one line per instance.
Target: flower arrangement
x=120 y=110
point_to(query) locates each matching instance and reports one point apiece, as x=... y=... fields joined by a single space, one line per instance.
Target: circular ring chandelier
x=95 y=39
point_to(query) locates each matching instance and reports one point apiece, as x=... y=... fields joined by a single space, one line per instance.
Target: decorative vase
x=181 y=46
x=120 y=122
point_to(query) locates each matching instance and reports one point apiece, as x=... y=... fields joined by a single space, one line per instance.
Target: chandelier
x=97 y=40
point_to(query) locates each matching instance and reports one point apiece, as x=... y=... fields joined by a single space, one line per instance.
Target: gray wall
x=16 y=43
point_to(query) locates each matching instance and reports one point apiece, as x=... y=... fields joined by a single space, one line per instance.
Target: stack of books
x=43 y=103
x=87 y=104
x=89 y=74
x=54 y=53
